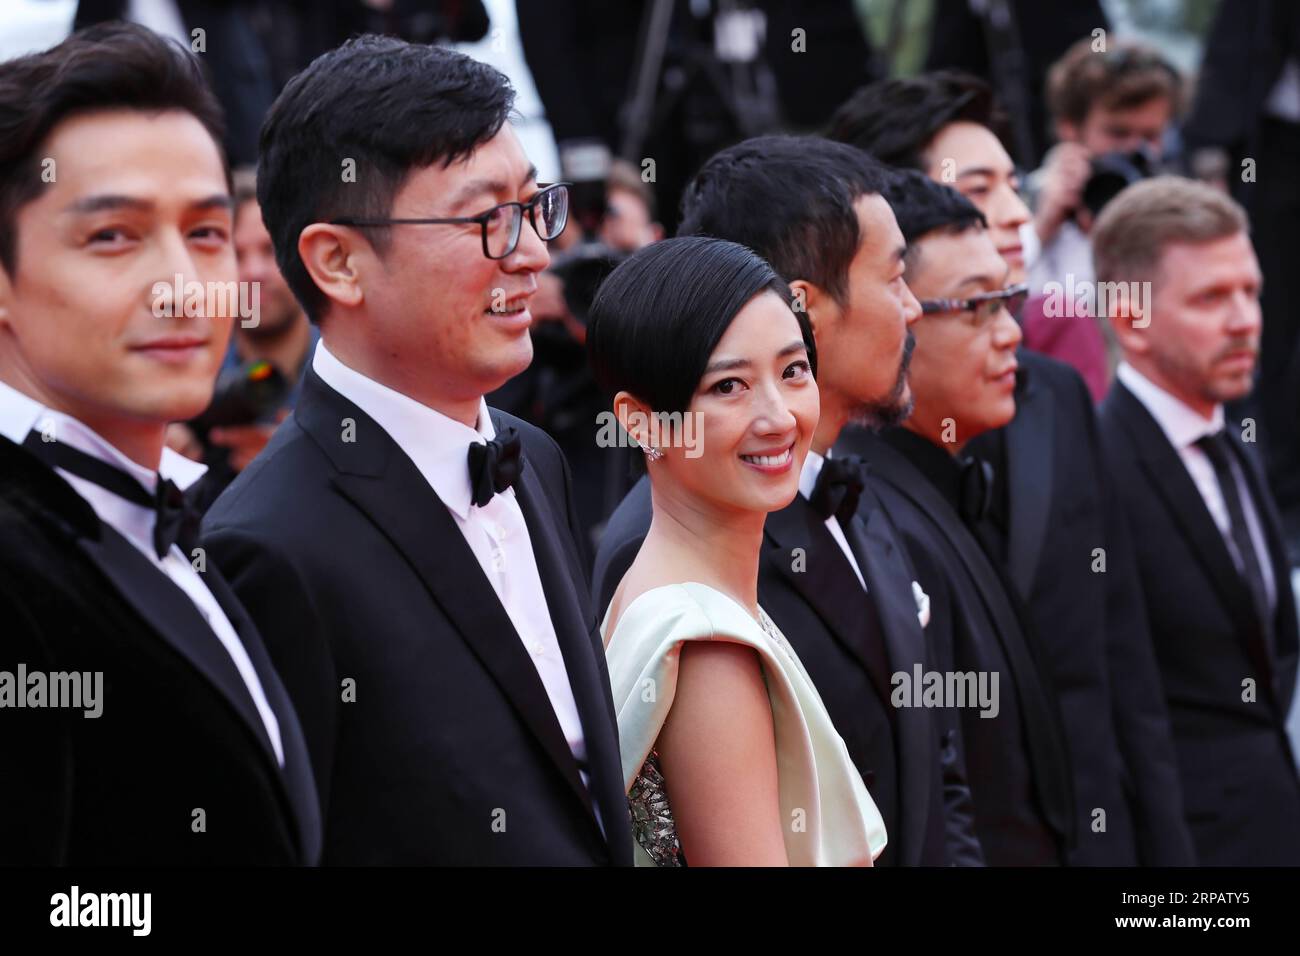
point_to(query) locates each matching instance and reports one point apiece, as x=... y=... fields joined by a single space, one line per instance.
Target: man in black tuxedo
x=408 y=553
x=1210 y=555
x=838 y=584
x=963 y=381
x=141 y=721
x=1054 y=504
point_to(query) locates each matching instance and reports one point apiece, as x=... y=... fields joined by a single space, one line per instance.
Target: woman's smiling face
x=754 y=410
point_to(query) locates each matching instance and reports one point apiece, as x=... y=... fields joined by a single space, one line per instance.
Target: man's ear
x=331 y=256
x=815 y=302
x=634 y=415
x=1131 y=325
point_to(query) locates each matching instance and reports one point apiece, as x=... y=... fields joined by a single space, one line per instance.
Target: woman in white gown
x=729 y=755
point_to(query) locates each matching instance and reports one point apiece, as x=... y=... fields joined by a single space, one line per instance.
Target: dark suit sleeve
x=1138 y=702
x=295 y=632
x=959 y=809
x=35 y=753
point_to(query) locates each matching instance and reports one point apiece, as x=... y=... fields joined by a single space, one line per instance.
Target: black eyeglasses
x=983 y=308
x=500 y=225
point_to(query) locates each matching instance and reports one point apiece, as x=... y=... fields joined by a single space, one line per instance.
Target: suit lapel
x=1168 y=475
x=298 y=776
x=1039 y=717
x=384 y=484
x=575 y=631
x=891 y=590
x=1029 y=482
x=823 y=579
x=175 y=618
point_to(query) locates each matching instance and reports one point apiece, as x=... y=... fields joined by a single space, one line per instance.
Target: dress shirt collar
x=812 y=469
x=19 y=414
x=437 y=444
x=1182 y=424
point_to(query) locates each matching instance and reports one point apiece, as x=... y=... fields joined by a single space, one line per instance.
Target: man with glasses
x=408 y=552
x=963 y=378
x=1055 y=521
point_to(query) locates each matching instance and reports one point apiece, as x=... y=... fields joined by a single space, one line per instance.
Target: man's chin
x=885 y=414
x=509 y=363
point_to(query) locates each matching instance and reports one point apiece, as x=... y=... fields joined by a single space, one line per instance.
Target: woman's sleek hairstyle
x=658 y=317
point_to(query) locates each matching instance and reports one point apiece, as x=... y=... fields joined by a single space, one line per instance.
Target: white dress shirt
x=1184 y=426
x=438 y=446
x=20 y=414
x=812 y=467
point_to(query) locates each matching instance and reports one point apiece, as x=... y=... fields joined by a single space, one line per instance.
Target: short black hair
x=894 y=120
x=103 y=67
x=388 y=106
x=922 y=205
x=659 y=315
x=790 y=199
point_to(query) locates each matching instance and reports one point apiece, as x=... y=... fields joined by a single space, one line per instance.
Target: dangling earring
x=652 y=454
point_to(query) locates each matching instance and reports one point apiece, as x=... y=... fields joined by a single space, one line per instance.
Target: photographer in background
x=259 y=379
x=1110 y=111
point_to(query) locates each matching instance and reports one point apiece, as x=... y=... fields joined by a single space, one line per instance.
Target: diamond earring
x=652 y=454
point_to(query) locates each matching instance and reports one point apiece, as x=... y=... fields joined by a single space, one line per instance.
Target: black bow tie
x=175 y=522
x=975 y=489
x=494 y=466
x=839 y=487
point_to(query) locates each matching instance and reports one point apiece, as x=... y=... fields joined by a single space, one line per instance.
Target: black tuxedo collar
x=170 y=613
x=824 y=579
x=891 y=644
x=938 y=467
x=1168 y=475
x=298 y=776
x=380 y=480
x=872 y=540
x=582 y=648
x=1043 y=733
x=38 y=489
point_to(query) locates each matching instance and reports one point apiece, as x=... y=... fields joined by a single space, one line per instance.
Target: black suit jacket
x=356 y=572
x=1060 y=506
x=850 y=649
x=1239 y=772
x=178 y=730
x=1017 y=762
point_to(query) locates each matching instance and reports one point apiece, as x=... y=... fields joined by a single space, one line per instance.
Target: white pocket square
x=922 y=603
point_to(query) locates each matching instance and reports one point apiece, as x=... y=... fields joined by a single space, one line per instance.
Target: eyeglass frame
x=972 y=304
x=481 y=220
